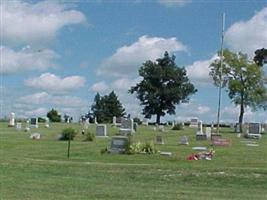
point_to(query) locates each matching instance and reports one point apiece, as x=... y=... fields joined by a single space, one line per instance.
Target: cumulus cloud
x=128 y=59
x=36 y=112
x=247 y=36
x=55 y=84
x=26 y=59
x=99 y=87
x=174 y=3
x=198 y=72
x=43 y=98
x=28 y=23
x=125 y=83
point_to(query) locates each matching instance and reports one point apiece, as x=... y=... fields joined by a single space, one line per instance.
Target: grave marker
x=11 y=120
x=101 y=130
x=34 y=122
x=159 y=139
x=118 y=144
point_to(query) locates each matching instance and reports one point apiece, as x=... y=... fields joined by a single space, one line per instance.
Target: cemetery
x=176 y=162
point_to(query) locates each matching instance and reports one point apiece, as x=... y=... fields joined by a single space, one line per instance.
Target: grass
x=39 y=169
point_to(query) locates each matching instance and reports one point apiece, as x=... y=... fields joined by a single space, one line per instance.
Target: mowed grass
x=40 y=169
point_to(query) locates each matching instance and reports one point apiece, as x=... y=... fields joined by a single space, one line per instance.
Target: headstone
x=118 y=144
x=200 y=128
x=34 y=122
x=127 y=126
x=183 y=140
x=254 y=130
x=194 y=123
x=221 y=142
x=161 y=128
x=114 y=121
x=18 y=126
x=165 y=153
x=11 y=120
x=208 y=132
x=95 y=120
x=200 y=148
x=237 y=128
x=35 y=136
x=101 y=130
x=135 y=127
x=145 y=122
x=159 y=139
x=47 y=122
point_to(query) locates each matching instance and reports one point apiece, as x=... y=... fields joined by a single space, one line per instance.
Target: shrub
x=149 y=148
x=89 y=136
x=134 y=148
x=68 y=133
x=178 y=127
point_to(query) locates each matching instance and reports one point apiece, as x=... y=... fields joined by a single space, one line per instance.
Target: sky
x=59 y=53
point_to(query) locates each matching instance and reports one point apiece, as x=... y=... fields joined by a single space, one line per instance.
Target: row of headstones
x=30 y=123
x=127 y=127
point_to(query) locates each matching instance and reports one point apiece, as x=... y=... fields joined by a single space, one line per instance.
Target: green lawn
x=39 y=169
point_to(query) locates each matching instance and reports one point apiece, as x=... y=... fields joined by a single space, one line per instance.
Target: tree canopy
x=243 y=81
x=164 y=85
x=53 y=116
x=260 y=56
x=106 y=107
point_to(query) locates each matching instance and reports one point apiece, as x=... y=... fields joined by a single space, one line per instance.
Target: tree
x=53 y=116
x=163 y=86
x=243 y=81
x=260 y=56
x=106 y=107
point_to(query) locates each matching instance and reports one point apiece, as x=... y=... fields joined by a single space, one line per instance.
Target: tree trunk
x=158 y=119
x=242 y=111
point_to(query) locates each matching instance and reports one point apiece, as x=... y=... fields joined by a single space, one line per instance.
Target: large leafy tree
x=53 y=116
x=107 y=106
x=243 y=81
x=260 y=56
x=164 y=85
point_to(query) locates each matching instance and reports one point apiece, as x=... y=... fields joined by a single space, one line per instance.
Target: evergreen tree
x=106 y=107
x=53 y=116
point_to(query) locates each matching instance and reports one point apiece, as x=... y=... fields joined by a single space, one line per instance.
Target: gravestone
x=159 y=140
x=101 y=130
x=34 y=122
x=221 y=142
x=237 y=128
x=200 y=135
x=194 y=123
x=47 y=122
x=135 y=127
x=118 y=144
x=95 y=120
x=35 y=136
x=254 y=130
x=208 y=132
x=127 y=126
x=161 y=128
x=114 y=121
x=11 y=120
x=183 y=140
x=145 y=122
x=18 y=126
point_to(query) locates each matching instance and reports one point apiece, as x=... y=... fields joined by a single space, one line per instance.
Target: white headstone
x=145 y=122
x=200 y=128
x=114 y=120
x=101 y=130
x=208 y=132
x=11 y=120
x=35 y=136
x=95 y=120
x=18 y=126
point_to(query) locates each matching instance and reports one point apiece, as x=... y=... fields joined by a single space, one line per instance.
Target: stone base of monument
x=201 y=137
x=215 y=136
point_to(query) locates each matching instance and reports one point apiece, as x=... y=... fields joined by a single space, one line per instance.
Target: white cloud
x=43 y=98
x=174 y=3
x=26 y=23
x=247 y=36
x=125 y=83
x=36 y=112
x=202 y=110
x=99 y=87
x=128 y=59
x=25 y=59
x=52 y=83
x=198 y=72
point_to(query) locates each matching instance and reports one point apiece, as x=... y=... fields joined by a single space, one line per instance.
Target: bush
x=134 y=148
x=149 y=148
x=89 y=136
x=68 y=133
x=178 y=127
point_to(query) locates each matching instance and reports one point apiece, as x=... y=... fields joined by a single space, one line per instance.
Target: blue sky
x=58 y=54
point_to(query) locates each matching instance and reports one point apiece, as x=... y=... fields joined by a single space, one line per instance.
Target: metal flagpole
x=220 y=75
